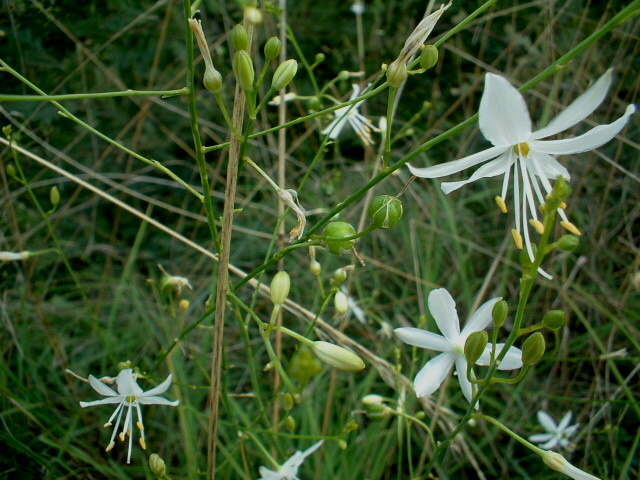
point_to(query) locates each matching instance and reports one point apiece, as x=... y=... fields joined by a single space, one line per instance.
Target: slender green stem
x=84 y=96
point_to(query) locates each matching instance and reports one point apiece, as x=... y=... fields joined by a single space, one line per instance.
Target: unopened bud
x=240 y=37
x=334 y=233
x=284 y=74
x=554 y=319
x=290 y=424
x=428 y=57
x=341 y=302
x=339 y=276
x=499 y=313
x=272 y=48
x=533 y=349
x=319 y=58
x=54 y=196
x=337 y=357
x=184 y=305
x=156 y=464
x=304 y=365
x=287 y=401
x=253 y=16
x=374 y=406
x=315 y=267
x=385 y=211
x=243 y=70
x=568 y=243
x=124 y=365
x=342 y=445
x=280 y=286
x=475 y=345
x=397 y=73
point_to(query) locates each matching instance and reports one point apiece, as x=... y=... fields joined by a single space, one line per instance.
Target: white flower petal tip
x=129 y=397
x=451 y=343
x=289 y=469
x=520 y=154
x=560 y=464
x=350 y=114
x=557 y=435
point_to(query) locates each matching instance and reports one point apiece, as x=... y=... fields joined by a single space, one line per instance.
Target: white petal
x=504 y=117
x=580 y=109
x=565 y=421
x=594 y=138
x=266 y=474
x=155 y=400
x=550 y=444
x=541 y=437
x=127 y=385
x=481 y=317
x=431 y=376
x=163 y=387
x=443 y=309
x=465 y=384
x=546 y=421
x=101 y=388
x=423 y=339
x=499 y=166
x=297 y=458
x=103 y=401
x=456 y=166
x=336 y=125
x=511 y=361
x=549 y=166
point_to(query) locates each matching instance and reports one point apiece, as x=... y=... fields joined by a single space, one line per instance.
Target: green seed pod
x=54 y=196
x=212 y=80
x=533 y=349
x=475 y=345
x=304 y=365
x=284 y=74
x=288 y=401
x=319 y=58
x=240 y=38
x=156 y=464
x=554 y=320
x=315 y=267
x=243 y=70
x=290 y=424
x=272 y=48
x=280 y=286
x=428 y=57
x=499 y=313
x=385 y=211
x=568 y=243
x=334 y=233
x=397 y=73
x=339 y=276
x=337 y=357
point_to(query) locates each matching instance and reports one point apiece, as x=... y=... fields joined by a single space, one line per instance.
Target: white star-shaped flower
x=360 y=124
x=556 y=434
x=520 y=152
x=289 y=469
x=128 y=396
x=451 y=343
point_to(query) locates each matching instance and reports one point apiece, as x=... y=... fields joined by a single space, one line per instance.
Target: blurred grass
x=450 y=241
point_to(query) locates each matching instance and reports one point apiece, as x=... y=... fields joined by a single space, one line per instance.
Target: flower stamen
x=517 y=238
x=522 y=149
x=538 y=225
x=501 y=204
x=570 y=227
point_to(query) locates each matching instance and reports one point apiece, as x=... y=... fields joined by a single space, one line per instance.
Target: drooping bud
x=212 y=80
x=243 y=70
x=475 y=345
x=337 y=357
x=397 y=73
x=334 y=233
x=54 y=196
x=284 y=74
x=272 y=48
x=385 y=211
x=341 y=302
x=240 y=37
x=428 y=57
x=533 y=349
x=304 y=365
x=568 y=243
x=554 y=319
x=280 y=286
x=499 y=313
x=156 y=464
x=253 y=16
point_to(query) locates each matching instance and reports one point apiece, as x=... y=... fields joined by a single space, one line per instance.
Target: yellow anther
x=108 y=424
x=517 y=238
x=538 y=225
x=571 y=228
x=522 y=149
x=110 y=446
x=562 y=205
x=140 y=425
x=501 y=205
x=121 y=436
x=142 y=443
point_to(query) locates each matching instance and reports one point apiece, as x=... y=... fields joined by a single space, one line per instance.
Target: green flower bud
x=339 y=276
x=334 y=233
x=288 y=401
x=397 y=73
x=341 y=302
x=475 y=345
x=342 y=445
x=284 y=74
x=272 y=48
x=315 y=267
x=280 y=286
x=319 y=58
x=428 y=57
x=304 y=365
x=385 y=211
x=290 y=424
x=11 y=170
x=156 y=464
x=253 y=16
x=533 y=349
x=124 y=365
x=554 y=320
x=240 y=38
x=375 y=407
x=243 y=70
x=54 y=196
x=337 y=357
x=344 y=75
x=212 y=80
x=499 y=313
x=568 y=243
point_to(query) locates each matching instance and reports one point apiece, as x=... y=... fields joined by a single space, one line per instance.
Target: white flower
x=505 y=122
x=289 y=470
x=12 y=256
x=556 y=434
x=360 y=124
x=451 y=343
x=560 y=464
x=128 y=396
